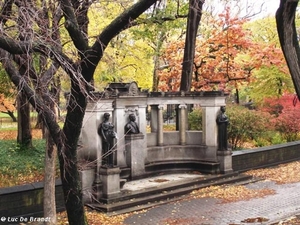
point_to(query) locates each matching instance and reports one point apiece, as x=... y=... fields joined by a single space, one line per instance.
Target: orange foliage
x=6 y=104
x=218 y=59
x=271 y=55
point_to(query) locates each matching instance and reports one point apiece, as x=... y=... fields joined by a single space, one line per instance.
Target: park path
x=209 y=211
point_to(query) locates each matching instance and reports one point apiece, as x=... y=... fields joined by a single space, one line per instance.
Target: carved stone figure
x=132 y=127
x=133 y=89
x=107 y=134
x=222 y=122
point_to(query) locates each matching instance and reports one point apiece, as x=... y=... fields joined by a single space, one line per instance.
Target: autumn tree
x=272 y=78
x=7 y=106
x=79 y=62
x=220 y=59
x=7 y=96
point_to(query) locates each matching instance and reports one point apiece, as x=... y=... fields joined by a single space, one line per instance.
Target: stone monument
x=109 y=173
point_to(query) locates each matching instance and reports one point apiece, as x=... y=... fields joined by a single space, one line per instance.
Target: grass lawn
x=19 y=165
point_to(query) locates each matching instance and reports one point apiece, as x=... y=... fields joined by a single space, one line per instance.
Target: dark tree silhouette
x=194 y=17
x=288 y=37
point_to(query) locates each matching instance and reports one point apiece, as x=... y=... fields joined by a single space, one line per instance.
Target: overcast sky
x=267 y=7
x=270 y=6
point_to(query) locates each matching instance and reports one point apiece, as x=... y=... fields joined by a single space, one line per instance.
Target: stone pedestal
x=225 y=159
x=110 y=178
x=136 y=153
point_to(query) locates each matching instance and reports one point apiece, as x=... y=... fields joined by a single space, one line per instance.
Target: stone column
x=119 y=123
x=142 y=119
x=160 y=123
x=210 y=131
x=153 y=118
x=209 y=125
x=110 y=183
x=182 y=124
x=136 y=148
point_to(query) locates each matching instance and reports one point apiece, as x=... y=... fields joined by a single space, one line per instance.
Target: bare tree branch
x=71 y=24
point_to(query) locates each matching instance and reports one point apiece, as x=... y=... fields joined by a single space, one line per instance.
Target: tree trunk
x=67 y=154
x=194 y=17
x=49 y=181
x=237 y=96
x=285 y=19
x=50 y=168
x=24 y=130
x=155 y=74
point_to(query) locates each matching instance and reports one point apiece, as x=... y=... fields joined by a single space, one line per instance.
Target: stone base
x=225 y=160
x=110 y=178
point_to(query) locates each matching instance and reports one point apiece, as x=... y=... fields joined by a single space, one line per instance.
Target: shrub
x=247 y=125
x=288 y=124
x=195 y=119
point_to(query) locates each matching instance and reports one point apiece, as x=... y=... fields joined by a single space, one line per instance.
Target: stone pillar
x=210 y=131
x=182 y=124
x=136 y=148
x=209 y=126
x=153 y=118
x=119 y=123
x=160 y=123
x=110 y=183
x=142 y=119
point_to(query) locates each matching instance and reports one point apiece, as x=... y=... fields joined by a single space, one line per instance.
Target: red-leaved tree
x=287 y=115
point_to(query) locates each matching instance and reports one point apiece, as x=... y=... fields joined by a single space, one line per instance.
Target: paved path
x=209 y=211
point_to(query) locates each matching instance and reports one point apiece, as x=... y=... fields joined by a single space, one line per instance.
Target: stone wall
x=265 y=156
x=172 y=138
x=27 y=200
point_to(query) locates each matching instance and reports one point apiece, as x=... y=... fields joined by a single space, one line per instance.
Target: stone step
x=147 y=198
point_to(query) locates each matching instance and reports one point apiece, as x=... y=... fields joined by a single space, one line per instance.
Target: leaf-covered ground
x=12 y=134
x=286 y=173
x=282 y=174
